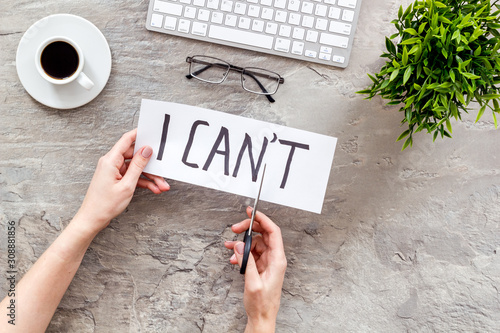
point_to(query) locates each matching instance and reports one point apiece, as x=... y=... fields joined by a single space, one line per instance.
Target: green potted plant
x=443 y=57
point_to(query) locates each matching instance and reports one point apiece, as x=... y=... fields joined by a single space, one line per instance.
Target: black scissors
x=248 y=234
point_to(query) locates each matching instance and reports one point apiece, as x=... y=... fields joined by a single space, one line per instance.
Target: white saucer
x=97 y=61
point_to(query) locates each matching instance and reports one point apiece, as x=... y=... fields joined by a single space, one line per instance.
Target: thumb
x=251 y=274
x=137 y=165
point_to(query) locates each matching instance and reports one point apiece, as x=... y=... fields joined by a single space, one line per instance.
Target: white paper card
x=226 y=152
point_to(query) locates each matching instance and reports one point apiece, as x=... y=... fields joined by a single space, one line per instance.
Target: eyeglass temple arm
x=269 y=97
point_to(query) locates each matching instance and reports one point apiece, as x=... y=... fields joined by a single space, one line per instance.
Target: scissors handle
x=246 y=253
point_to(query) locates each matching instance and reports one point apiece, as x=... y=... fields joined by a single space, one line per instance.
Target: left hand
x=115 y=179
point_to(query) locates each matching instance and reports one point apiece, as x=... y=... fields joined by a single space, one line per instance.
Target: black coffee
x=59 y=60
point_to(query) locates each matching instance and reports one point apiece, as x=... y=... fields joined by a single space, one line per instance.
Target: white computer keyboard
x=319 y=31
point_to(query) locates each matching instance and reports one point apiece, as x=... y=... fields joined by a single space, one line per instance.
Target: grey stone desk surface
x=407 y=241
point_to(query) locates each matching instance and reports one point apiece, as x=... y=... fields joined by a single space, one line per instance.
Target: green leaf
x=405 y=56
x=390 y=46
x=394 y=75
x=448 y=125
x=407 y=74
x=470 y=76
x=400 y=12
x=439 y=4
x=490 y=96
x=421 y=27
x=403 y=135
x=410 y=41
x=456 y=35
x=411 y=31
x=408 y=142
x=495 y=120
x=480 y=114
x=452 y=75
x=477 y=51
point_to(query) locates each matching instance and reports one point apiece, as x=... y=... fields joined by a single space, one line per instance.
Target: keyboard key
x=340 y=28
x=312 y=36
x=184 y=26
x=329 y=2
x=271 y=28
x=203 y=15
x=241 y=37
x=240 y=8
x=321 y=24
x=308 y=21
x=253 y=1
x=226 y=6
x=190 y=12
x=347 y=3
x=338 y=59
x=187 y=2
x=217 y=17
x=168 y=8
x=267 y=14
x=231 y=20
x=334 y=13
x=294 y=18
x=324 y=49
x=244 y=23
x=310 y=54
x=297 y=48
x=199 y=29
x=294 y=5
x=258 y=25
x=280 y=4
x=320 y=10
x=347 y=15
x=282 y=45
x=333 y=40
x=324 y=56
x=298 y=33
x=199 y=3
x=213 y=4
x=266 y=2
x=285 y=30
x=156 y=20
x=280 y=16
x=170 y=23
x=253 y=11
x=307 y=7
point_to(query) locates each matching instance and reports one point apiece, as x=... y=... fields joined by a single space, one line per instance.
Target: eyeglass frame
x=243 y=70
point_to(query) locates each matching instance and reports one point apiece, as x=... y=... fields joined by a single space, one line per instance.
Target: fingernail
x=147 y=151
x=240 y=247
x=233 y=257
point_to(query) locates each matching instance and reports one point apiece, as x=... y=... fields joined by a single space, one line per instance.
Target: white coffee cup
x=59 y=60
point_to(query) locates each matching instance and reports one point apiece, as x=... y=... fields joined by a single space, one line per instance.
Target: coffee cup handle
x=84 y=81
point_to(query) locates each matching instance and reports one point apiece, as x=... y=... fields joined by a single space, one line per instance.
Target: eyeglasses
x=255 y=80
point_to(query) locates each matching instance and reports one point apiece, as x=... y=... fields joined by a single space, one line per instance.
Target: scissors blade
x=256 y=201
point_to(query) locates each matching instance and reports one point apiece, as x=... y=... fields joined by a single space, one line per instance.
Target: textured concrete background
x=407 y=241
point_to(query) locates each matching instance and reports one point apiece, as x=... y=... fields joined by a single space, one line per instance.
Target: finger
x=129 y=153
x=124 y=144
x=137 y=165
x=265 y=225
x=159 y=181
x=147 y=184
x=230 y=244
x=252 y=277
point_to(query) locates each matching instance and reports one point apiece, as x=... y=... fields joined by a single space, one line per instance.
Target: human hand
x=115 y=179
x=264 y=273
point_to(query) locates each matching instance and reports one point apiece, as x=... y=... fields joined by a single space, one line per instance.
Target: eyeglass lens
x=209 y=69
x=260 y=81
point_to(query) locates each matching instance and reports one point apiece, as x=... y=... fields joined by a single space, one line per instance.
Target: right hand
x=265 y=271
